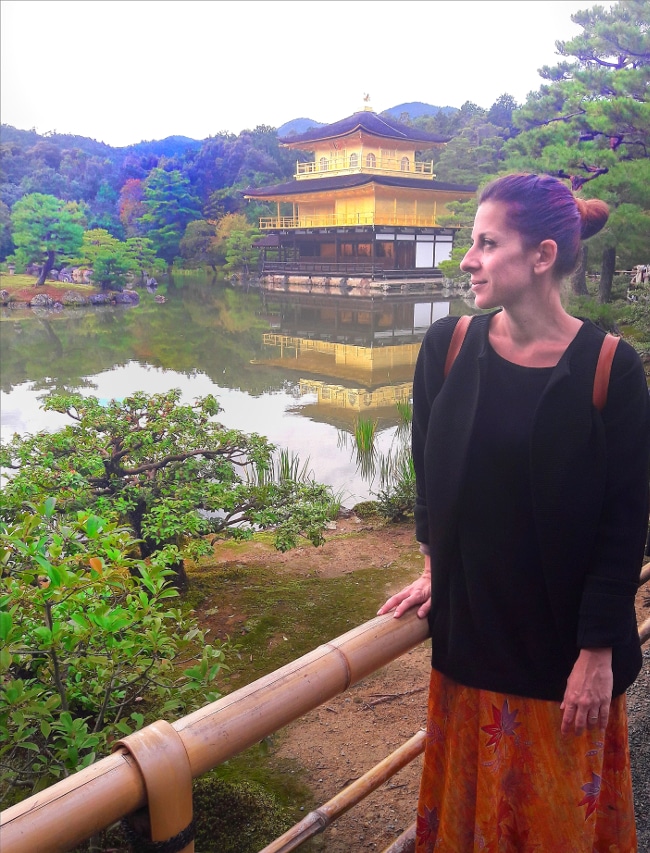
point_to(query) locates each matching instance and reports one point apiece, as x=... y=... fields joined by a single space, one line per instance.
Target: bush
x=91 y=647
x=170 y=471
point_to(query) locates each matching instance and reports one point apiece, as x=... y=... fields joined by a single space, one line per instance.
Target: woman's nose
x=468 y=261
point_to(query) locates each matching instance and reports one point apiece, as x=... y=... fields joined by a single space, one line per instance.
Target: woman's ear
x=545 y=256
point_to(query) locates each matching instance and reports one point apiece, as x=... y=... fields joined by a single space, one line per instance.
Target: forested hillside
x=589 y=123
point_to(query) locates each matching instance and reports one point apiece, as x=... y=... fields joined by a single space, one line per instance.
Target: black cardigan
x=589 y=474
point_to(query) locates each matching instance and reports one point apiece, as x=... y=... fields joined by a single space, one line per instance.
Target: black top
x=502 y=641
x=579 y=548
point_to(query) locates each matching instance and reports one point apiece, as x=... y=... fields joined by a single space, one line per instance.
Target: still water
x=299 y=367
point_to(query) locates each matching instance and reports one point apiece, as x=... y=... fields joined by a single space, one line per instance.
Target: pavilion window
x=323 y=164
x=404 y=164
x=371 y=161
x=354 y=161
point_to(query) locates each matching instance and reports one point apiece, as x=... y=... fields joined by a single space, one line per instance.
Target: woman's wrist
x=604 y=652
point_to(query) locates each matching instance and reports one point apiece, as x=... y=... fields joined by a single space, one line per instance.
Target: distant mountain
x=167 y=147
x=297 y=126
x=415 y=109
x=160 y=147
x=25 y=138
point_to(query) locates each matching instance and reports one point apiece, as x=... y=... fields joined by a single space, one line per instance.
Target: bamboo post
x=318 y=820
x=66 y=813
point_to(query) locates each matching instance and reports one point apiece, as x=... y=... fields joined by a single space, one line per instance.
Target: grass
x=286 y=616
x=14 y=284
x=286 y=465
x=365 y=432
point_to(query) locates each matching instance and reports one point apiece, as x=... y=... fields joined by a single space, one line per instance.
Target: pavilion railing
x=344 y=268
x=340 y=220
x=355 y=164
x=155 y=766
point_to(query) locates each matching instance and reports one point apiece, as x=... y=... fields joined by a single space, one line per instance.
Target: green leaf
x=49 y=505
x=5 y=659
x=6 y=622
x=93 y=526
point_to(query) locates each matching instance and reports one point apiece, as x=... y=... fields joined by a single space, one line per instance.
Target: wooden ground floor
x=372 y=252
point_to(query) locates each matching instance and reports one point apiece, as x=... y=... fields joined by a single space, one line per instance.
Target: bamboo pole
x=644 y=631
x=645 y=574
x=318 y=820
x=405 y=843
x=63 y=815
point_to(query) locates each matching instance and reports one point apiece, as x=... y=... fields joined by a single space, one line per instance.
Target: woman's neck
x=531 y=336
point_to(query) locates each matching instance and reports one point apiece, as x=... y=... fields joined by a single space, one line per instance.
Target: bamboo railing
x=72 y=810
x=154 y=767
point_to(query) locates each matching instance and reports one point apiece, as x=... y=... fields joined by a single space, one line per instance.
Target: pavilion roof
x=372 y=124
x=343 y=182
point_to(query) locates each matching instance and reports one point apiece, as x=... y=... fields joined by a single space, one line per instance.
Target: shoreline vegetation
x=20 y=291
x=622 y=316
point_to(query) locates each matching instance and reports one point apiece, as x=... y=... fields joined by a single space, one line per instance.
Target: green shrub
x=92 y=647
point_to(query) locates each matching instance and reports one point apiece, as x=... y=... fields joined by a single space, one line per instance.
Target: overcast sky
x=123 y=71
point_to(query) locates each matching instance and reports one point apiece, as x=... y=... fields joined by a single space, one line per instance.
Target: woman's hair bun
x=594 y=213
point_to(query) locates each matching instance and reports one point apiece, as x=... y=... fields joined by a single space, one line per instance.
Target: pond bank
x=20 y=291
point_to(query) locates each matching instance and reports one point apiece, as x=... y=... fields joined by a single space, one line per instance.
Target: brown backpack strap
x=603 y=366
x=603 y=369
x=456 y=342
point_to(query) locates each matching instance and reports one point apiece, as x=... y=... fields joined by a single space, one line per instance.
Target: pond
x=297 y=366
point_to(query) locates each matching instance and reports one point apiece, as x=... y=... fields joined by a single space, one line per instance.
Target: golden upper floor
x=365 y=143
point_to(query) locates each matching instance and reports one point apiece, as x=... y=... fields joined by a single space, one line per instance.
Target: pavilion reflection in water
x=354 y=351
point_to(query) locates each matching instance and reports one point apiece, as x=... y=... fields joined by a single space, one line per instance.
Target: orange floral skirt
x=499 y=776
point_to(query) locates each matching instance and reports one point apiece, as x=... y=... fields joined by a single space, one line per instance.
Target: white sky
x=123 y=71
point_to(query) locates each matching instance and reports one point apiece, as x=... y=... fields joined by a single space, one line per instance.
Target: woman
x=531 y=511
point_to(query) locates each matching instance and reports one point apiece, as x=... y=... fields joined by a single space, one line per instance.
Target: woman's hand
x=417 y=594
x=588 y=692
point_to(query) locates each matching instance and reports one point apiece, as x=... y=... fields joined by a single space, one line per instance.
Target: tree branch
x=175 y=457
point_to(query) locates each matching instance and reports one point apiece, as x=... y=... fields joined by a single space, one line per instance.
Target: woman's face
x=501 y=268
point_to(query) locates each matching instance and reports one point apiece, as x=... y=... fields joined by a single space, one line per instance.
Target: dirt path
x=341 y=740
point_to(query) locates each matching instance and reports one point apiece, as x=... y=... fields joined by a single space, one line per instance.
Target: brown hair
x=541 y=207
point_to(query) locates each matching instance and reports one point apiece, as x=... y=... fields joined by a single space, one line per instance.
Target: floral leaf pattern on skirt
x=504 y=724
x=592 y=792
x=499 y=777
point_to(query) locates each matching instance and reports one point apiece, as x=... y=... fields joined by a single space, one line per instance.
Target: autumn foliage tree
x=130 y=205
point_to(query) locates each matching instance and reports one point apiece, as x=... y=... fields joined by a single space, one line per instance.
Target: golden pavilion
x=362 y=209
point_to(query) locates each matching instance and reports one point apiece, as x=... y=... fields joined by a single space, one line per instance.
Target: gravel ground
x=638 y=704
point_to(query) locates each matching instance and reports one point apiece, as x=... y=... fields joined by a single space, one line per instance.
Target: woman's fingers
x=417 y=594
x=392 y=602
x=589 y=692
